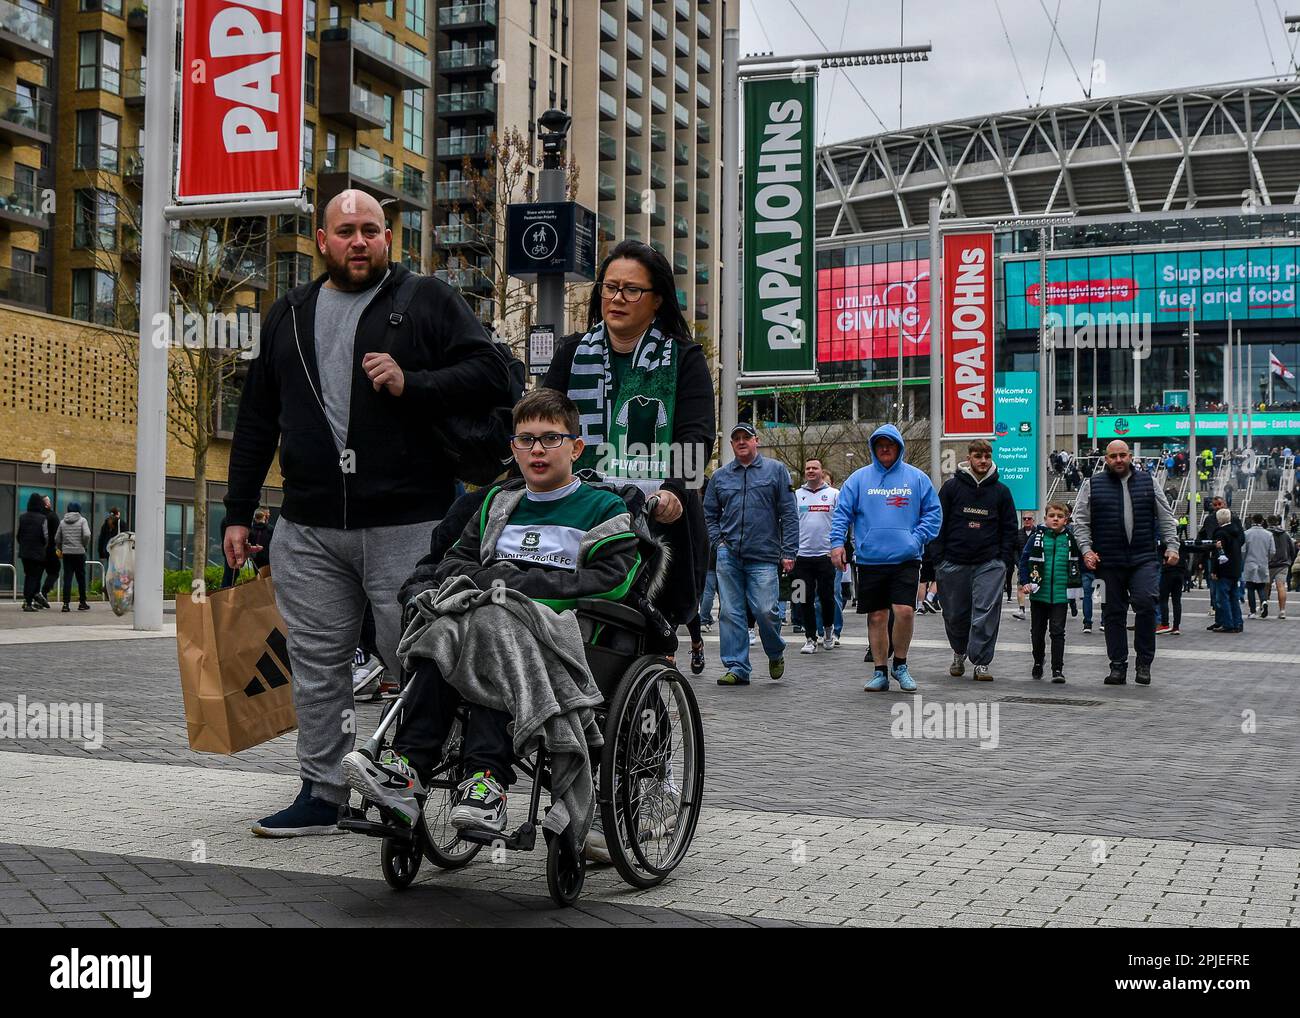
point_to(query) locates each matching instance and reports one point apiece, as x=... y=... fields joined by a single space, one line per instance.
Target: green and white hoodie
x=555 y=547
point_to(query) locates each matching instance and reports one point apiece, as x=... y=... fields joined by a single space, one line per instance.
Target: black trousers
x=74 y=567
x=428 y=711
x=1171 y=588
x=1138 y=586
x=814 y=576
x=1257 y=588
x=53 y=566
x=1040 y=615
x=33 y=573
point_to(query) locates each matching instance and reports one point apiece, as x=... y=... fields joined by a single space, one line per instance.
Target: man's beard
x=342 y=278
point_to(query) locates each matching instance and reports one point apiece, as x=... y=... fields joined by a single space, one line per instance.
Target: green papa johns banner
x=1015 y=429
x=779 y=271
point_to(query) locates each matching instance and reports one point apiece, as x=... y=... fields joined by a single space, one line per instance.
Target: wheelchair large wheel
x=400 y=861
x=566 y=870
x=651 y=772
x=442 y=843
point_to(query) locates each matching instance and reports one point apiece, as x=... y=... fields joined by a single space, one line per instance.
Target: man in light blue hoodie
x=894 y=512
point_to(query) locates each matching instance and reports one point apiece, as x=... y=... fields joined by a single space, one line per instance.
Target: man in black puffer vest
x=1120 y=519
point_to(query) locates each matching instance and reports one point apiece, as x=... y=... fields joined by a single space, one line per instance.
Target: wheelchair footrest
x=523 y=840
x=358 y=825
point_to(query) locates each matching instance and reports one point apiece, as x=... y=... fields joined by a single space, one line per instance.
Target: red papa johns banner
x=968 y=335
x=1085 y=291
x=241 y=99
x=864 y=310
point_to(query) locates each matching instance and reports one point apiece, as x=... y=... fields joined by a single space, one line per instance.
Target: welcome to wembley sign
x=779 y=270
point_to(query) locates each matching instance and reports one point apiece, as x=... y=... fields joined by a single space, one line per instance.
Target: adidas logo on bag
x=269 y=668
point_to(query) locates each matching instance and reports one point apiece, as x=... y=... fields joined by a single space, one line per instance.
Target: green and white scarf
x=628 y=432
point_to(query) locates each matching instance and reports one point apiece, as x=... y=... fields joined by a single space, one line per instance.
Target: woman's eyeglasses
x=525 y=442
x=631 y=294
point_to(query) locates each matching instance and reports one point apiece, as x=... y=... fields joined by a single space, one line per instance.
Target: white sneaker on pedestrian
x=809 y=647
x=365 y=677
x=829 y=641
x=753 y=637
x=1019 y=613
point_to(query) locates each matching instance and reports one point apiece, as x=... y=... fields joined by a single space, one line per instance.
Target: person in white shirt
x=814 y=576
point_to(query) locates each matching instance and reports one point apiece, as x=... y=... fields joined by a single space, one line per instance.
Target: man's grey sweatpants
x=972 y=609
x=323 y=578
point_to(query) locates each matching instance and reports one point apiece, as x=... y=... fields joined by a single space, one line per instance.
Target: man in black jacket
x=349 y=387
x=974 y=549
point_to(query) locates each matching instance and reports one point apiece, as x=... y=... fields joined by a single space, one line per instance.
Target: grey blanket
x=500 y=649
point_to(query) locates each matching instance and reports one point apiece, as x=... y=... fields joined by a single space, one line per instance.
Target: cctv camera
x=555 y=122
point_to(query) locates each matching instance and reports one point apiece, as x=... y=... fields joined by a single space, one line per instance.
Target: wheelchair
x=649 y=775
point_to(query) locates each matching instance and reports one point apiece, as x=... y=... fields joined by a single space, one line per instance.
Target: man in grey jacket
x=72 y=540
x=753 y=522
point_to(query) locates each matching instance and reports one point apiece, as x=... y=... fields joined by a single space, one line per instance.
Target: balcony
x=466 y=277
x=703 y=97
x=681 y=189
x=703 y=131
x=25 y=34
x=702 y=202
x=702 y=310
x=201 y=250
x=608 y=145
x=702 y=167
x=467 y=58
x=133 y=164
x=702 y=237
x=25 y=288
x=658 y=25
x=635 y=10
x=352 y=103
x=681 y=298
x=658 y=217
x=25 y=119
x=658 y=139
x=458 y=16
x=658 y=175
x=681 y=79
x=703 y=61
x=463 y=233
x=20 y=205
x=94 y=236
x=133 y=85
x=702 y=274
x=341 y=169
x=680 y=265
x=632 y=202
x=608 y=66
x=459 y=146
x=137 y=18
x=681 y=114
x=681 y=153
x=350 y=43
x=605 y=227
x=635 y=45
x=631 y=233
x=658 y=63
x=480 y=101
x=608 y=25
x=703 y=26
x=681 y=42
x=634 y=121
x=658 y=99
x=633 y=160
x=683 y=8
x=607 y=186
x=608 y=106
x=681 y=228
x=658 y=245
x=453 y=190
x=635 y=84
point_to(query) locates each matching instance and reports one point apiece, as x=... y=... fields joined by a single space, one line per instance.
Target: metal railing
x=370 y=38
x=1287 y=484
x=20 y=198
x=463 y=145
x=479 y=101
x=91 y=565
x=467 y=14
x=470 y=56
x=27 y=24
x=14 y=570
x=31 y=112
x=21 y=287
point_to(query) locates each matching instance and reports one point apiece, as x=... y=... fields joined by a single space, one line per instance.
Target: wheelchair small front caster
x=400 y=861
x=566 y=870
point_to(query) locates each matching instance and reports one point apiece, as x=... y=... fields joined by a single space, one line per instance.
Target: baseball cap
x=746 y=427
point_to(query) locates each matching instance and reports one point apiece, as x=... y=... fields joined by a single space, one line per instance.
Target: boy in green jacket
x=1052 y=575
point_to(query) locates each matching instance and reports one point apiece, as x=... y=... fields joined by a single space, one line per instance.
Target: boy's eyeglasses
x=525 y=443
x=631 y=294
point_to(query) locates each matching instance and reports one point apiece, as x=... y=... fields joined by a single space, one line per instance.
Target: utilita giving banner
x=241 y=106
x=864 y=311
x=968 y=335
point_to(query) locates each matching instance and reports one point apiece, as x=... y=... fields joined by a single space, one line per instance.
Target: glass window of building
x=413 y=121
x=97 y=140
x=390 y=8
x=388 y=117
x=309 y=80
x=95 y=220
x=99 y=62
x=94 y=296
x=107 y=6
x=415 y=14
x=412 y=231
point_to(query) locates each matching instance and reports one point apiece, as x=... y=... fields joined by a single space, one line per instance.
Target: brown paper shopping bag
x=235 y=668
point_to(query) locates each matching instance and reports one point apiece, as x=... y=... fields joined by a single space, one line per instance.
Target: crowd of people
x=50 y=545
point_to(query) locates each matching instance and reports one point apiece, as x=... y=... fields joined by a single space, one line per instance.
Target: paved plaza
x=1171 y=805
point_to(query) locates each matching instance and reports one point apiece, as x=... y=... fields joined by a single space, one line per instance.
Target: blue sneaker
x=905 y=681
x=878 y=684
x=307 y=815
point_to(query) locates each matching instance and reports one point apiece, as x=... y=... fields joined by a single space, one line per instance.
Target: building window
x=415 y=16
x=99 y=62
x=553 y=25
x=564 y=86
x=97 y=140
x=390 y=8
x=309 y=80
x=532 y=20
x=25 y=190
x=564 y=31
x=412 y=233
x=291 y=269
x=93 y=293
x=107 y=6
x=309 y=18
x=388 y=118
x=413 y=121
x=95 y=220
x=308 y=147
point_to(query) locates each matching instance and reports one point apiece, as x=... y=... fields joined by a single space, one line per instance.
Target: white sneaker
x=753 y=637
x=595 y=848
x=482 y=803
x=365 y=677
x=1281 y=615
x=829 y=641
x=390 y=781
x=809 y=647
x=707 y=627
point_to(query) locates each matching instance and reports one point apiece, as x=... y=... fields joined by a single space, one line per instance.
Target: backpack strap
x=403 y=294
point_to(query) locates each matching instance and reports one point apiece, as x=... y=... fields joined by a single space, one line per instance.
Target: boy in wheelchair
x=562 y=540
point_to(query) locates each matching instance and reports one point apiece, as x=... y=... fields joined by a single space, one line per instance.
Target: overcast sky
x=1141 y=45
